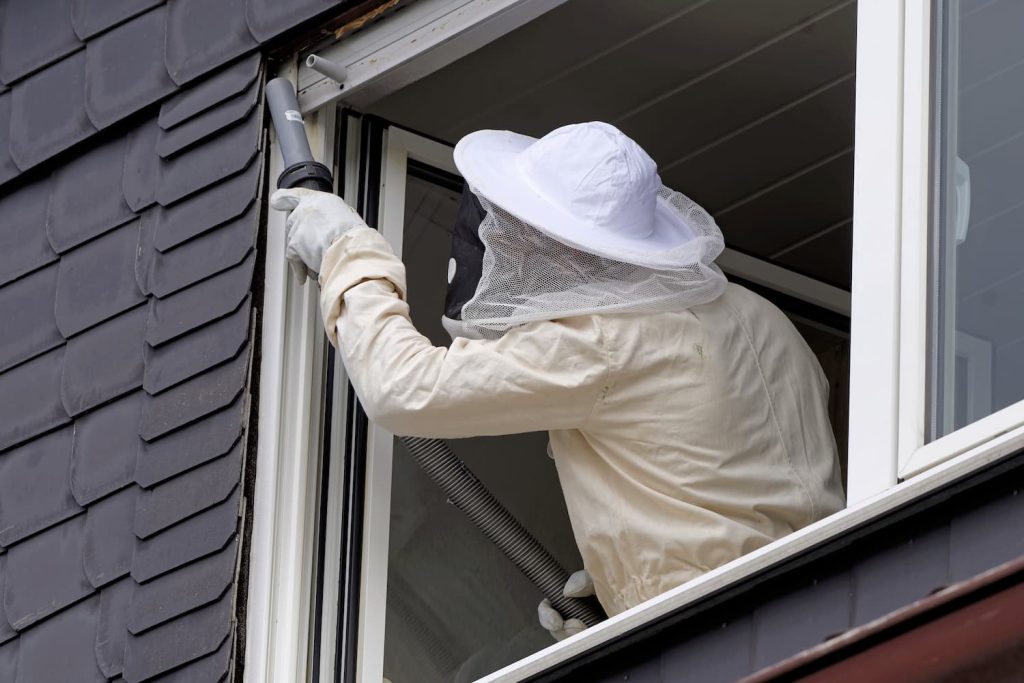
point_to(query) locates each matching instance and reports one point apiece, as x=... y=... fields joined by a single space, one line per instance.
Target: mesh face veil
x=527 y=276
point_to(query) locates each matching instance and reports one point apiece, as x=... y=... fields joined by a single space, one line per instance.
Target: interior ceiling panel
x=746 y=106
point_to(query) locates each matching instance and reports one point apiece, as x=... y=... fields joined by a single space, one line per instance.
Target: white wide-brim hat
x=586 y=185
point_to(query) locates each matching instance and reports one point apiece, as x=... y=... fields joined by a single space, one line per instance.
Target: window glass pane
x=457 y=609
x=976 y=334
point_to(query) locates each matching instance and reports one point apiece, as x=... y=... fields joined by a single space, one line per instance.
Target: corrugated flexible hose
x=469 y=495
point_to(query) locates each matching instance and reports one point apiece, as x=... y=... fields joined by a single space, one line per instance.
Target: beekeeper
x=687 y=417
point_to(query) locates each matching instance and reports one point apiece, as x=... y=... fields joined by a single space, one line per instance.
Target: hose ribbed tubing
x=469 y=494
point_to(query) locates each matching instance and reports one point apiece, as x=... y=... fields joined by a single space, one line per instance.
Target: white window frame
x=890 y=227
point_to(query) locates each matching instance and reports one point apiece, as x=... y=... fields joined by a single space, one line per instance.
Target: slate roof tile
x=48 y=111
x=210 y=669
x=196 y=537
x=178 y=642
x=197 y=98
x=189 y=588
x=111 y=629
x=35 y=487
x=62 y=648
x=210 y=253
x=203 y=34
x=196 y=129
x=6 y=632
x=44 y=575
x=200 y=304
x=90 y=17
x=23 y=243
x=34 y=34
x=86 y=200
x=105 y=449
x=109 y=539
x=205 y=440
x=104 y=362
x=8 y=169
x=26 y=309
x=228 y=153
x=192 y=354
x=267 y=18
x=9 y=661
x=30 y=398
x=141 y=167
x=194 y=399
x=117 y=86
x=188 y=494
x=222 y=202
x=97 y=280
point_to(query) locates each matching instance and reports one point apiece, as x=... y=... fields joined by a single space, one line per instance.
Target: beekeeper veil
x=572 y=224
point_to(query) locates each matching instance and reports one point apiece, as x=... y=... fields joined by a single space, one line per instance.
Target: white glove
x=579 y=585
x=316 y=220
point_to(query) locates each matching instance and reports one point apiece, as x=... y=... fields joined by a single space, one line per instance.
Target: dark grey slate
x=30 y=398
x=141 y=167
x=720 y=655
x=228 y=153
x=34 y=34
x=62 y=648
x=90 y=17
x=109 y=540
x=105 y=449
x=194 y=353
x=9 y=661
x=976 y=544
x=802 y=619
x=178 y=642
x=125 y=69
x=111 y=626
x=23 y=243
x=97 y=280
x=222 y=202
x=194 y=399
x=196 y=537
x=86 y=200
x=44 y=574
x=105 y=362
x=267 y=18
x=48 y=112
x=8 y=169
x=202 y=35
x=210 y=669
x=26 y=309
x=193 y=586
x=200 y=304
x=35 y=490
x=187 y=494
x=210 y=438
x=6 y=631
x=195 y=99
x=212 y=252
x=200 y=127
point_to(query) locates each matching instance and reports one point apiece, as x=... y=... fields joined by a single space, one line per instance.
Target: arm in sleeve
x=542 y=376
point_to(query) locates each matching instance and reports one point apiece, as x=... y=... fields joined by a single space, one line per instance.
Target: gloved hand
x=579 y=585
x=316 y=220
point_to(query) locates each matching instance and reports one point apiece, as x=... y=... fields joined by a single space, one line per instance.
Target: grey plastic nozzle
x=291 y=134
x=325 y=67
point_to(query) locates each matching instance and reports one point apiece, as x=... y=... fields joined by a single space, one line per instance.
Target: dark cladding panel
x=8 y=169
x=35 y=491
x=23 y=243
x=267 y=18
x=209 y=92
x=111 y=629
x=6 y=632
x=105 y=449
x=195 y=130
x=720 y=655
x=210 y=668
x=34 y=34
x=176 y=593
x=141 y=167
x=63 y=648
x=86 y=199
x=200 y=304
x=30 y=399
x=109 y=540
x=9 y=661
x=26 y=309
x=125 y=69
x=202 y=35
x=90 y=17
x=48 y=112
x=986 y=536
x=104 y=362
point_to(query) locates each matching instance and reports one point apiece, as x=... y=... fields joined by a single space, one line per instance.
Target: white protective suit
x=682 y=440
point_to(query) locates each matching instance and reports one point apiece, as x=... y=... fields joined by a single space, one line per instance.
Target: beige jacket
x=682 y=440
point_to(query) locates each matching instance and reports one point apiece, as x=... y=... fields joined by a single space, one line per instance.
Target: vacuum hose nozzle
x=299 y=168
